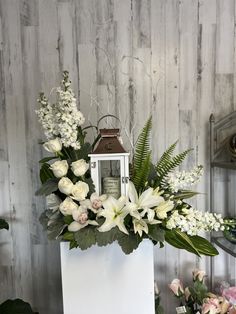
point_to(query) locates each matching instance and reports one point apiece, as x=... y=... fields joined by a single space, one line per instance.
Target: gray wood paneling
x=169 y=58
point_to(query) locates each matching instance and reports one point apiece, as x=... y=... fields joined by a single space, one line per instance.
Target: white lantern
x=110 y=164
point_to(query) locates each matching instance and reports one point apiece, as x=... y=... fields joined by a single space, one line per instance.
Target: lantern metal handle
x=106 y=116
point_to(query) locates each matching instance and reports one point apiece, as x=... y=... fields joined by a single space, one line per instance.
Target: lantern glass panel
x=110 y=182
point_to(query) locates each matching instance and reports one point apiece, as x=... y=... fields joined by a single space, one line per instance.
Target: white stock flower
x=80 y=191
x=53 y=146
x=68 y=206
x=193 y=221
x=79 y=167
x=59 y=168
x=53 y=201
x=65 y=185
x=115 y=212
x=63 y=118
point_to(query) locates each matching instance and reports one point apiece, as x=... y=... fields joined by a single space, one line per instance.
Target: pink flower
x=212 y=306
x=176 y=287
x=199 y=274
x=230 y=294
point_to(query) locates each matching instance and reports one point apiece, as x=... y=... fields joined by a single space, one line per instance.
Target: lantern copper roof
x=109 y=142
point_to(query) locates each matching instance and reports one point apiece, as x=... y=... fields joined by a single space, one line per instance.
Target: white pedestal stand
x=103 y=280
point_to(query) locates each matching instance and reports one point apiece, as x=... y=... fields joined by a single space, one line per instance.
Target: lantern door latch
x=93 y=164
x=125 y=179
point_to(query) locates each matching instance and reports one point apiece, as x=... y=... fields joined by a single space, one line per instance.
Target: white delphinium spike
x=193 y=221
x=181 y=180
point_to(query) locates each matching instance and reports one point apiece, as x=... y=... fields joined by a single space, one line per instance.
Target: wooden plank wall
x=174 y=59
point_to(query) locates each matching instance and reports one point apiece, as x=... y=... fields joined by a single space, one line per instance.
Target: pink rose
x=230 y=294
x=176 y=287
x=212 y=306
x=199 y=274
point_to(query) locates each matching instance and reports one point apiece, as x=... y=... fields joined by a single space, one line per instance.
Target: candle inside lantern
x=111 y=186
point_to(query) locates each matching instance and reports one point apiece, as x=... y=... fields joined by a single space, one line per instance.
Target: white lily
x=81 y=220
x=140 y=225
x=115 y=212
x=163 y=208
x=148 y=199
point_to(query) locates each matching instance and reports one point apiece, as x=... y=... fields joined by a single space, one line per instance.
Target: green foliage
x=129 y=243
x=85 y=238
x=46 y=159
x=198 y=291
x=203 y=246
x=48 y=187
x=184 y=194
x=155 y=233
x=105 y=238
x=16 y=307
x=52 y=222
x=45 y=173
x=142 y=157
x=167 y=162
x=3 y=224
x=193 y=244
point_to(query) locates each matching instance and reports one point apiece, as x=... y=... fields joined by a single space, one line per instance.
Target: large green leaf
x=105 y=238
x=48 y=187
x=129 y=243
x=184 y=194
x=155 y=233
x=85 y=238
x=3 y=224
x=203 y=246
x=16 y=307
x=180 y=240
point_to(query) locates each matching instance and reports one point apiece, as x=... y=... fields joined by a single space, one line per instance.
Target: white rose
x=53 y=201
x=79 y=167
x=65 y=185
x=80 y=191
x=59 y=168
x=68 y=206
x=53 y=146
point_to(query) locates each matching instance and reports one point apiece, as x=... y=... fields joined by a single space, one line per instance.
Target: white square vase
x=103 y=280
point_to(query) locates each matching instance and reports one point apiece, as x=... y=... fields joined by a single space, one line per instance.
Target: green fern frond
x=142 y=155
x=141 y=176
x=142 y=146
x=169 y=163
x=166 y=156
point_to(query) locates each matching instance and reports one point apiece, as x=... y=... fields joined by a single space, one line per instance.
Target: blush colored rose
x=176 y=287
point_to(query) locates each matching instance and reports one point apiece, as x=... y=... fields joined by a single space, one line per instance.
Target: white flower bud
x=59 y=168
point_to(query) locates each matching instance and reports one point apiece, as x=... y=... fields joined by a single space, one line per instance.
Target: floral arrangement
x=155 y=207
x=197 y=299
